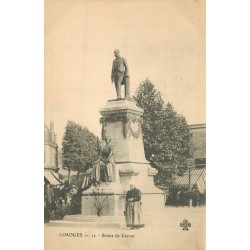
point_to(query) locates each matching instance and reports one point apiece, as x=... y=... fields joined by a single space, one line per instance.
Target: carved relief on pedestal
x=131 y=125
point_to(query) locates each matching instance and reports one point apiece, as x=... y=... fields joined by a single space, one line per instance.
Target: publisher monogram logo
x=185 y=225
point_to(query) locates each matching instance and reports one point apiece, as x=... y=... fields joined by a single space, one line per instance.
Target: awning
x=51 y=178
x=56 y=175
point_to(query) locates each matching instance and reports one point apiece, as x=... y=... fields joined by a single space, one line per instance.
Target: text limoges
x=70 y=234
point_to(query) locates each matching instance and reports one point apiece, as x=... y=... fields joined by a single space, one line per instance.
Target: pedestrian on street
x=63 y=193
x=56 y=191
x=195 y=197
x=76 y=199
x=49 y=196
x=178 y=198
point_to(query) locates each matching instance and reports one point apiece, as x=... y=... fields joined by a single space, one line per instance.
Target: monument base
x=90 y=221
x=105 y=199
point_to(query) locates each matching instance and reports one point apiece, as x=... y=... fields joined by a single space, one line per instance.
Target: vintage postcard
x=125 y=124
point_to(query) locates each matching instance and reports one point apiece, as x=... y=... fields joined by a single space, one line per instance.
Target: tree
x=79 y=148
x=168 y=148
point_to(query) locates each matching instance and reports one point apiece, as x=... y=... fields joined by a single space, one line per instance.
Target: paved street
x=162 y=231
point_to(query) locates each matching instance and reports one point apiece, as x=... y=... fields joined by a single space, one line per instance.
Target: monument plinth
x=122 y=121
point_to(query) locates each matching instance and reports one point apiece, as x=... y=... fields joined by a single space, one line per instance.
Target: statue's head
x=107 y=139
x=116 y=52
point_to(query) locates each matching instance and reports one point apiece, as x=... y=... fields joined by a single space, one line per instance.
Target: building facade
x=50 y=148
x=50 y=155
x=198 y=144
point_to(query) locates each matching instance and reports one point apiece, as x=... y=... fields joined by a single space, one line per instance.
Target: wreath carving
x=131 y=125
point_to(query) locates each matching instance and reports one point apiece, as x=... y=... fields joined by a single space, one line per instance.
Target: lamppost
x=191 y=166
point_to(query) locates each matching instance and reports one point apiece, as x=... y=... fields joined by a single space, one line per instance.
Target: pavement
x=162 y=231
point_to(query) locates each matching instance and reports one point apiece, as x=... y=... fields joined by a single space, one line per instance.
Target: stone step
x=93 y=221
x=93 y=218
x=92 y=224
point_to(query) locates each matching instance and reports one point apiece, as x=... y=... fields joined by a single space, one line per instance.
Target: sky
x=162 y=40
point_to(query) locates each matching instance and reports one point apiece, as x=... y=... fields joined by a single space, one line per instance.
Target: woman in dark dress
x=133 y=212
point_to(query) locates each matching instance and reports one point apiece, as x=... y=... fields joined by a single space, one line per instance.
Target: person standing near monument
x=133 y=212
x=62 y=194
x=76 y=194
x=119 y=75
x=48 y=202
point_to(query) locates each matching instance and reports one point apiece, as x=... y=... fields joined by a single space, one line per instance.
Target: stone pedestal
x=107 y=197
x=121 y=121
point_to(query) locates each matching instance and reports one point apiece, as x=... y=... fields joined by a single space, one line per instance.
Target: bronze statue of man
x=119 y=75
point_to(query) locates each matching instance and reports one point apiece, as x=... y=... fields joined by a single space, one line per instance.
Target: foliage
x=165 y=134
x=79 y=148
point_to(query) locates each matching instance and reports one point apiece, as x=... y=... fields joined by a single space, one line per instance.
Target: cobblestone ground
x=162 y=231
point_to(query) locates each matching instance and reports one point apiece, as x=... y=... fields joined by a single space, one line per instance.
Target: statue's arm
x=137 y=196
x=112 y=73
x=110 y=152
x=126 y=67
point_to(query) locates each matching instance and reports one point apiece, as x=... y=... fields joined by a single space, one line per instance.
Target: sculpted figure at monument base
x=108 y=159
x=103 y=167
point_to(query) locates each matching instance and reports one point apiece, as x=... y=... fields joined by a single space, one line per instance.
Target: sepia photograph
x=125 y=124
